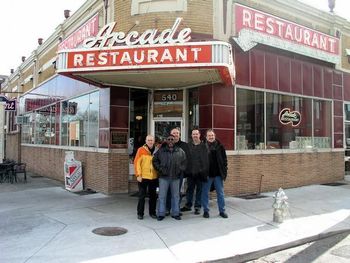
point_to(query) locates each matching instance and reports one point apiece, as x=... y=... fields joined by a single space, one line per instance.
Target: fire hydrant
x=280 y=206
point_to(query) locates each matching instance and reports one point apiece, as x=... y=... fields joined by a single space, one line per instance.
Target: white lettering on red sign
x=107 y=38
x=176 y=54
x=248 y=18
x=90 y=28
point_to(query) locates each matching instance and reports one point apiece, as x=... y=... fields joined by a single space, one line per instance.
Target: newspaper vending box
x=73 y=176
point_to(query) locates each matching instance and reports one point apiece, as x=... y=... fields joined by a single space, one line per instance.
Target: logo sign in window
x=287 y=116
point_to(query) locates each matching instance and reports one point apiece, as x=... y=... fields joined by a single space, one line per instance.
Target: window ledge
x=76 y=148
x=283 y=151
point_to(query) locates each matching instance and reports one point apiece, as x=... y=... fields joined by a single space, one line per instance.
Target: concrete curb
x=267 y=251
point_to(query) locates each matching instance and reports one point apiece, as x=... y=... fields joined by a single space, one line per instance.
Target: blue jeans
x=164 y=185
x=168 y=200
x=192 y=184
x=219 y=187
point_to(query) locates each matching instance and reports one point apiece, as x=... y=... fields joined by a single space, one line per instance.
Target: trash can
x=73 y=176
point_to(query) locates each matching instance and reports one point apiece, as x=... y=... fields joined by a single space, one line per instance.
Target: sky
x=22 y=22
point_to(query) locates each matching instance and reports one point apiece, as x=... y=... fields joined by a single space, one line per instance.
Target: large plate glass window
x=250 y=120
x=80 y=121
x=322 y=124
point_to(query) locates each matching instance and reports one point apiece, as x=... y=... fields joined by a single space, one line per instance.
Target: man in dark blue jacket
x=170 y=162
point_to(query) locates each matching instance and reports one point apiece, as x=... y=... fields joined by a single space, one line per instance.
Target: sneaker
x=223 y=215
x=153 y=216
x=206 y=214
x=176 y=217
x=140 y=217
x=185 y=209
x=197 y=211
x=160 y=218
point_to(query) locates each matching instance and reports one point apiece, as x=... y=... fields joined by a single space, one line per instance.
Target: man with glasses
x=184 y=146
x=170 y=162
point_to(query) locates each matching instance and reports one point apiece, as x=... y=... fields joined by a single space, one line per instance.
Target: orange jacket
x=143 y=164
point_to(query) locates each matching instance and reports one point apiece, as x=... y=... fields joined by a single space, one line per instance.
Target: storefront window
x=288 y=122
x=28 y=128
x=322 y=124
x=80 y=121
x=45 y=125
x=291 y=122
x=250 y=120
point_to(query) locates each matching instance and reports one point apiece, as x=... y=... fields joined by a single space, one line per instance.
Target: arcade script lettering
x=107 y=38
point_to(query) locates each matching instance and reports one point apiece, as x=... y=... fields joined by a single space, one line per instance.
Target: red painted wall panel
x=257 y=68
x=241 y=60
x=284 y=71
x=346 y=86
x=271 y=71
x=338 y=108
x=327 y=83
x=318 y=81
x=296 y=80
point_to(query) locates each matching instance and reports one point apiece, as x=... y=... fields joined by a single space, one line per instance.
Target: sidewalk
x=42 y=222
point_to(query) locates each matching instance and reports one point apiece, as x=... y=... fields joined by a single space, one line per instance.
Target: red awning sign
x=145 y=56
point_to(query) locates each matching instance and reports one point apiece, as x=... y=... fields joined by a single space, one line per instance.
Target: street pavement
x=334 y=248
x=42 y=222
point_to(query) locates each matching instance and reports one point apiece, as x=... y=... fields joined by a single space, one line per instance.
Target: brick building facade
x=102 y=111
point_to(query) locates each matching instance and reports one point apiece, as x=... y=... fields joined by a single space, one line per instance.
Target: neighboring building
x=270 y=77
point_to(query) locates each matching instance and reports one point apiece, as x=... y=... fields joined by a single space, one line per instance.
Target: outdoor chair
x=6 y=172
x=20 y=168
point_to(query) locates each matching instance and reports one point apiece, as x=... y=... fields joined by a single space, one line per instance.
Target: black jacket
x=184 y=146
x=217 y=159
x=199 y=161
x=170 y=164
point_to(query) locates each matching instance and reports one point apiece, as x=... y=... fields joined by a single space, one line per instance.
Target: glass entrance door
x=163 y=126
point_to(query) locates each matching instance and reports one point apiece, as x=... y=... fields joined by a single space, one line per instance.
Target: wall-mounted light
x=40 y=41
x=138 y=117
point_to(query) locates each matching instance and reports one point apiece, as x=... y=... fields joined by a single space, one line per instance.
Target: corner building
x=270 y=77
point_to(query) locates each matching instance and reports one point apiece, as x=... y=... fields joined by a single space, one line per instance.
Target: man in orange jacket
x=147 y=177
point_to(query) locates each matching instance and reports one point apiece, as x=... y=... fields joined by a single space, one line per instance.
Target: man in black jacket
x=199 y=165
x=184 y=146
x=217 y=174
x=170 y=163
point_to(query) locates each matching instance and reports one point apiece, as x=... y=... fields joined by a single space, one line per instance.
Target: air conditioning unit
x=22 y=119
